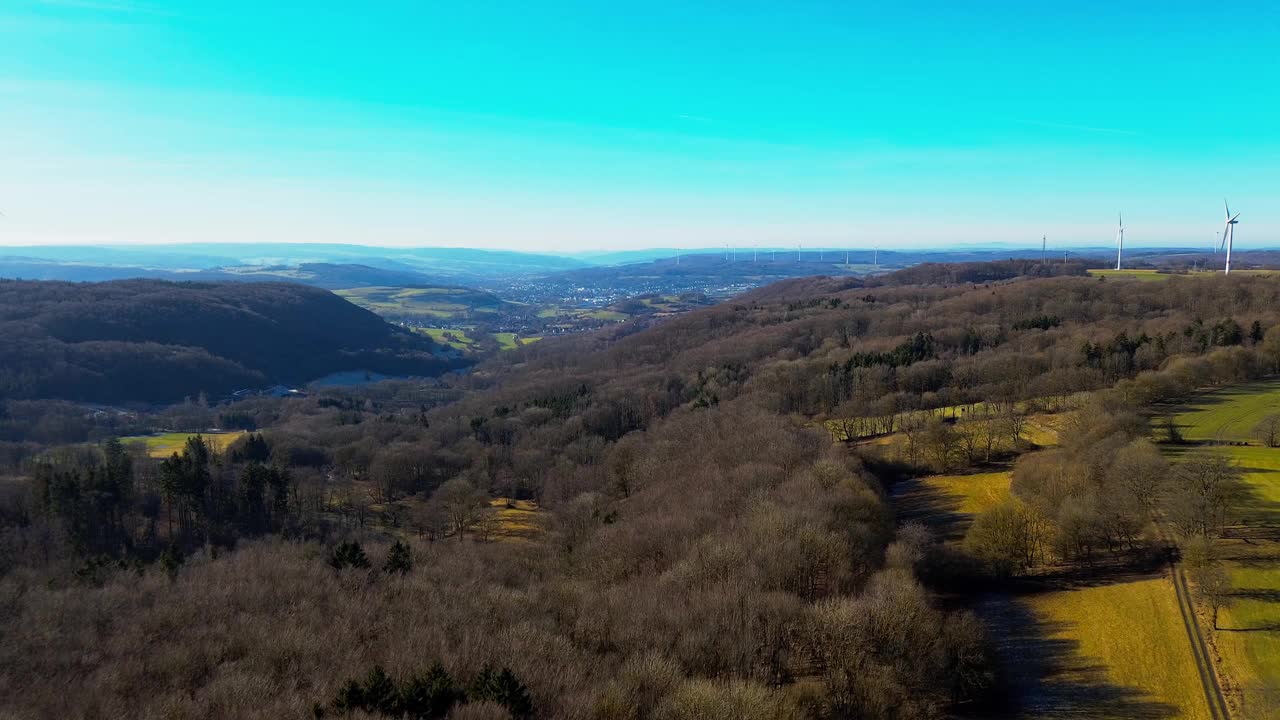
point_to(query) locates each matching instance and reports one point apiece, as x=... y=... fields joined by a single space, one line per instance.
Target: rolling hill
x=153 y=341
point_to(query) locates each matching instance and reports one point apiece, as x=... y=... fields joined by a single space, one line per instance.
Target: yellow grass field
x=1140 y=275
x=517 y=520
x=1128 y=635
x=972 y=494
x=162 y=445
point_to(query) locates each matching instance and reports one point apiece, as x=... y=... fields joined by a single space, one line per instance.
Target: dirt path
x=1204 y=664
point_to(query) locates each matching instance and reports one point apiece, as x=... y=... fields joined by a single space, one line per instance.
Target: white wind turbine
x=1228 y=234
x=1120 y=241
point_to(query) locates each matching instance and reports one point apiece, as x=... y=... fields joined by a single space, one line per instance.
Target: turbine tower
x=1229 y=233
x=1120 y=241
x=1044 y=249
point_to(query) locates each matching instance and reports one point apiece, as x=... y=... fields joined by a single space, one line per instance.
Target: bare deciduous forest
x=706 y=541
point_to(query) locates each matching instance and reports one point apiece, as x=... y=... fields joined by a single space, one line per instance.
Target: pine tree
x=399 y=559
x=349 y=698
x=348 y=554
x=503 y=688
x=512 y=693
x=171 y=560
x=380 y=693
x=430 y=696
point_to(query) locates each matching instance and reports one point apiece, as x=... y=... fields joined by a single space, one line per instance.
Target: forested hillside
x=146 y=340
x=641 y=523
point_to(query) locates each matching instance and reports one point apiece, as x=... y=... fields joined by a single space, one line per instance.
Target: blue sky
x=574 y=126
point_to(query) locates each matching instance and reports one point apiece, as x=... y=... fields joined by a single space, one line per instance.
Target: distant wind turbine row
x=1227 y=235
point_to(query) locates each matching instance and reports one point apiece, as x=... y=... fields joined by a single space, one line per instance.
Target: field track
x=1204 y=665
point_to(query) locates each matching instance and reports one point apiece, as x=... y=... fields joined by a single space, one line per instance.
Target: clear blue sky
x=584 y=125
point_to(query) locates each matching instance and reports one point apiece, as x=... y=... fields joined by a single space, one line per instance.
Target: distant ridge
x=156 y=341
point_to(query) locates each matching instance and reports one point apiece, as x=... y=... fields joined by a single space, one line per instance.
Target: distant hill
x=143 y=261
x=156 y=341
x=326 y=275
x=332 y=276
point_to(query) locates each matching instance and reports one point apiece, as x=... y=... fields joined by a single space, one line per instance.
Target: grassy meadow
x=970 y=494
x=1229 y=414
x=162 y=445
x=1127 y=635
x=1140 y=275
x=1249 y=641
x=1124 y=638
x=516 y=520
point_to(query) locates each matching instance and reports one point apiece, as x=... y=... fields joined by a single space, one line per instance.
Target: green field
x=1229 y=415
x=162 y=445
x=423 y=302
x=456 y=339
x=1249 y=641
x=459 y=339
x=506 y=340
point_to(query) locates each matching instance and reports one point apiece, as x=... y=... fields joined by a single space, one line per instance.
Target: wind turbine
x=1044 y=248
x=1120 y=241
x=1229 y=233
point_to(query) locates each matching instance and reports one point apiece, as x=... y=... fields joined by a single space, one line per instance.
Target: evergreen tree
x=430 y=696
x=503 y=688
x=399 y=559
x=350 y=697
x=380 y=694
x=250 y=506
x=348 y=555
x=171 y=560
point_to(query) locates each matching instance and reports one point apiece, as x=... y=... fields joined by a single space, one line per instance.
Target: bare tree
x=1203 y=490
x=462 y=504
x=1267 y=431
x=1213 y=586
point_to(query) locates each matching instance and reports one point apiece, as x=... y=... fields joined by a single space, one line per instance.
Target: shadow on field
x=914 y=500
x=1047 y=677
x=1259 y=594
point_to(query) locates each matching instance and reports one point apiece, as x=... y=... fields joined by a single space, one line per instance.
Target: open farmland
x=424 y=303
